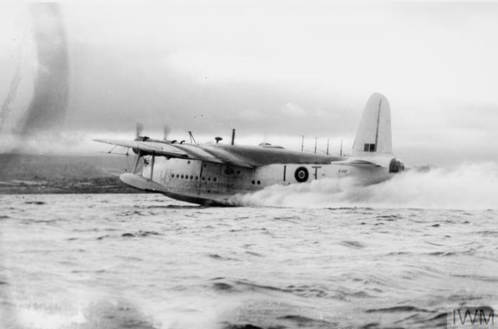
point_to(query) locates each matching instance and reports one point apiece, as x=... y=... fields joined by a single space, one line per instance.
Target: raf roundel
x=301 y=174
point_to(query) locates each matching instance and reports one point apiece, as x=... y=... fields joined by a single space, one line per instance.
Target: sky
x=274 y=70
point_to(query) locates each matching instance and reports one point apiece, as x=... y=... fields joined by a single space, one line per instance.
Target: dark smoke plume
x=6 y=108
x=47 y=109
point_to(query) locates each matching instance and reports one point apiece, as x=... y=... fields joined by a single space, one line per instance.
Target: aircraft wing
x=170 y=150
x=241 y=156
x=147 y=147
x=256 y=156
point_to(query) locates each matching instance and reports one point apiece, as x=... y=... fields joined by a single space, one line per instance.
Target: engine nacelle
x=140 y=139
x=396 y=166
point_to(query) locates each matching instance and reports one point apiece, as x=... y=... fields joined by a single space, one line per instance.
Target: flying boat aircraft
x=211 y=174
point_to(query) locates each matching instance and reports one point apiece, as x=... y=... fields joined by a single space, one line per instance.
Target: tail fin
x=374 y=132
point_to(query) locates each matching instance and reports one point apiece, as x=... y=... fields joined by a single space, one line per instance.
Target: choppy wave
x=468 y=186
x=75 y=262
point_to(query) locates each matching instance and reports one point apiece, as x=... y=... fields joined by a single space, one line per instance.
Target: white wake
x=468 y=186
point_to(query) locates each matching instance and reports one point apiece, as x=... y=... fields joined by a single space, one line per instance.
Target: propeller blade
x=139 y=129
x=166 y=132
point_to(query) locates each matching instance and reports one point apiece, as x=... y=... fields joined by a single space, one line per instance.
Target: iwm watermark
x=469 y=317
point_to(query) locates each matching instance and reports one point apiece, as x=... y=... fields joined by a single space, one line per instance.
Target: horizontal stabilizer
x=370 y=161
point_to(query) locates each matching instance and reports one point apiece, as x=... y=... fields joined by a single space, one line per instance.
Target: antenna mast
x=328 y=144
x=192 y=139
x=233 y=137
x=302 y=143
x=316 y=140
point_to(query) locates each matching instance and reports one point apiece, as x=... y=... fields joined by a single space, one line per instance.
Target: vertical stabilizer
x=374 y=133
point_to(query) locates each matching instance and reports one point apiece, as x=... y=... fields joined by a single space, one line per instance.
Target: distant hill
x=28 y=173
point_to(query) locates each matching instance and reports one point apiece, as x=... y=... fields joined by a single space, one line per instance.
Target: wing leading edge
x=169 y=150
x=242 y=156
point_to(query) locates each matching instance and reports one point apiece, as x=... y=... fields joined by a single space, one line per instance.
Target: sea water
x=402 y=254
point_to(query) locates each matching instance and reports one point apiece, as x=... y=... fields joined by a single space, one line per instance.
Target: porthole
x=177 y=176
x=172 y=175
x=196 y=177
x=191 y=177
x=259 y=182
x=209 y=178
x=203 y=178
x=181 y=176
x=214 y=179
x=253 y=182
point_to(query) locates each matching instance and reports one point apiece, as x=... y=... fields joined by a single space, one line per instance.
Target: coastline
x=44 y=174
x=66 y=186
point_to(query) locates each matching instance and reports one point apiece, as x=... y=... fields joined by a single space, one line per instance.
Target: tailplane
x=374 y=133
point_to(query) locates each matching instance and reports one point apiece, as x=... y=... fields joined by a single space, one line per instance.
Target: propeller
x=138 y=130
x=139 y=127
x=166 y=131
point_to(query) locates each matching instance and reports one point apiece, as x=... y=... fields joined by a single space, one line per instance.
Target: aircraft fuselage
x=216 y=184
